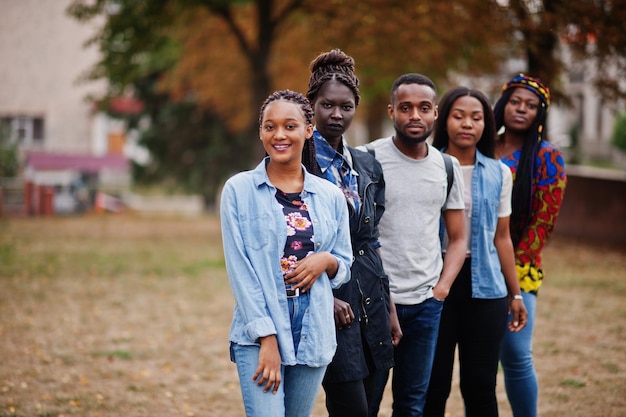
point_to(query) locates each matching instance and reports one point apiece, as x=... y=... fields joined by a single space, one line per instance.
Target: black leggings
x=477 y=326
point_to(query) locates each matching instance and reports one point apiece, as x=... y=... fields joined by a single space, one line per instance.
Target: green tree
x=226 y=61
x=618 y=139
x=145 y=51
x=9 y=163
x=226 y=56
x=191 y=146
x=134 y=42
x=386 y=38
x=189 y=161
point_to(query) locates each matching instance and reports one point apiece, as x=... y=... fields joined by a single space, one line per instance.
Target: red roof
x=82 y=163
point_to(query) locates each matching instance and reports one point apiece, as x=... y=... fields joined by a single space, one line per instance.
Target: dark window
x=38 y=129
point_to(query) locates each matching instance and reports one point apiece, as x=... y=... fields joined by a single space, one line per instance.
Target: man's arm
x=455 y=254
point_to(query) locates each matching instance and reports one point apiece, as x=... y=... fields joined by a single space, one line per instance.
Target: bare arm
x=455 y=255
x=394 y=323
x=504 y=246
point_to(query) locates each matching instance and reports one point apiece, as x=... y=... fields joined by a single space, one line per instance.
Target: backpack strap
x=449 y=172
x=370 y=150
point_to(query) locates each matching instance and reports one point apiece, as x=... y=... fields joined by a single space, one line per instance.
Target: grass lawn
x=120 y=315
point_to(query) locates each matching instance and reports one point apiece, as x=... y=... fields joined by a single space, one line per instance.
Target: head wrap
x=532 y=84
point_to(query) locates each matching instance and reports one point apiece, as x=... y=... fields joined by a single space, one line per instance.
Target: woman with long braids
x=287 y=245
x=366 y=328
x=538 y=186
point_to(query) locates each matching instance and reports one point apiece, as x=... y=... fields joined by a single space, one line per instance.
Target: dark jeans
x=477 y=327
x=413 y=359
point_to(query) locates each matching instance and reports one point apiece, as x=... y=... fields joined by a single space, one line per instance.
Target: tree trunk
x=260 y=90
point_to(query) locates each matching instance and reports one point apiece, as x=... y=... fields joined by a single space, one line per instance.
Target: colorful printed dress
x=548 y=190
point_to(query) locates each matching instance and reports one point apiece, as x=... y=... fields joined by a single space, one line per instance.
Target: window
x=23 y=130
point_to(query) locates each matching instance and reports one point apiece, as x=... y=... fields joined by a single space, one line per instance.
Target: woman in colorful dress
x=538 y=186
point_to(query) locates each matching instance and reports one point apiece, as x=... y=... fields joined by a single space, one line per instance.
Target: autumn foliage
x=225 y=56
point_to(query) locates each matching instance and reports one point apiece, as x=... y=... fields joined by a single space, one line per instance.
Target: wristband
x=518 y=297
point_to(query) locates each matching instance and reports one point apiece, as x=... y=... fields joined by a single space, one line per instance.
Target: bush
x=9 y=163
x=619 y=133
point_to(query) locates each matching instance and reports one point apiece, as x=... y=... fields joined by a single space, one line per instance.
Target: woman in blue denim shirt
x=287 y=245
x=475 y=313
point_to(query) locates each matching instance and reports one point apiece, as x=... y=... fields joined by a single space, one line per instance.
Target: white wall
x=41 y=59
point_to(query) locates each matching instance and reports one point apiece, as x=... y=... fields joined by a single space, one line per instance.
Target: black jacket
x=368 y=289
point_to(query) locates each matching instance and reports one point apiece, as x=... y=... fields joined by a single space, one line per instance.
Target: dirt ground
x=120 y=315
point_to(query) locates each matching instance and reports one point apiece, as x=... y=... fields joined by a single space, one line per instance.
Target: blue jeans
x=299 y=386
x=516 y=355
x=413 y=358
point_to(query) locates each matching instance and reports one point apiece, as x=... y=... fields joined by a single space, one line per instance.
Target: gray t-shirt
x=415 y=195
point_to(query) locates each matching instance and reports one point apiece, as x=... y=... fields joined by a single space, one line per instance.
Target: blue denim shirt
x=487 y=278
x=254 y=232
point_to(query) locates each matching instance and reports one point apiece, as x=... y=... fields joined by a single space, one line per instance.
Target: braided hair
x=308 y=152
x=522 y=198
x=333 y=65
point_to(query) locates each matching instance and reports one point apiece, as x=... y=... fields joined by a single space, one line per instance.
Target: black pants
x=351 y=398
x=477 y=327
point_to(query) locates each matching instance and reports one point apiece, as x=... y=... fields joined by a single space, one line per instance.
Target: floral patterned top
x=548 y=190
x=299 y=230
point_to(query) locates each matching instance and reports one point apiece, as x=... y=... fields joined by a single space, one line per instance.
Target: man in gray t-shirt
x=415 y=200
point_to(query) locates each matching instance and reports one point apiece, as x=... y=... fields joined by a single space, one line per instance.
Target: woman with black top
x=367 y=327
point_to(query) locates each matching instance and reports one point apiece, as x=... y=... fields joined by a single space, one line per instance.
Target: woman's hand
x=309 y=269
x=268 y=371
x=344 y=316
x=520 y=315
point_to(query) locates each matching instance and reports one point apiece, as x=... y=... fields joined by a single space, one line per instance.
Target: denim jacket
x=487 y=278
x=254 y=232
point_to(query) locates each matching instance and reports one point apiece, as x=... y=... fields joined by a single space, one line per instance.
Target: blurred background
x=112 y=105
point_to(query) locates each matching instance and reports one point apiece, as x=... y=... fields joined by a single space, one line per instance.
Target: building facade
x=47 y=105
x=43 y=102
